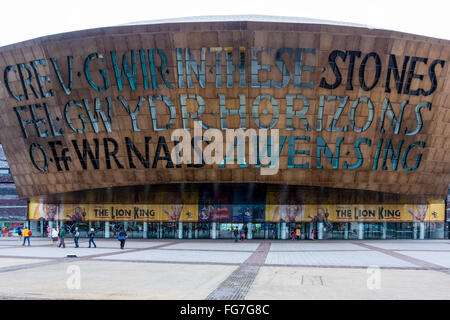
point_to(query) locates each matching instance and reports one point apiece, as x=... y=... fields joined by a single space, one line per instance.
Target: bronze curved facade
x=355 y=108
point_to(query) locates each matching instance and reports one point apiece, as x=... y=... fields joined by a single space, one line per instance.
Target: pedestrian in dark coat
x=62 y=234
x=122 y=237
x=91 y=236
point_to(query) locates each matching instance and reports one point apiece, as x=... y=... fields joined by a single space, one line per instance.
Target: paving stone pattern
x=237 y=285
x=244 y=260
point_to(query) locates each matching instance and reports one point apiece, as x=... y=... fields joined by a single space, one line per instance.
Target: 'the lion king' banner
x=177 y=210
x=433 y=211
x=181 y=208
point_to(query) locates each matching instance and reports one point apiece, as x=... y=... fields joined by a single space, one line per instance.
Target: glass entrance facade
x=270 y=231
x=213 y=211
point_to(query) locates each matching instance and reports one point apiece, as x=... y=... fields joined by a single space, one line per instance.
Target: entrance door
x=258 y=230
x=169 y=230
x=373 y=230
x=202 y=230
x=272 y=230
x=338 y=230
x=152 y=230
x=226 y=230
x=135 y=230
x=311 y=230
x=404 y=230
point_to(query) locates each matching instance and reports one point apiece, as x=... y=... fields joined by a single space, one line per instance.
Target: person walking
x=26 y=236
x=91 y=236
x=62 y=234
x=246 y=231
x=298 y=233
x=236 y=234
x=49 y=235
x=312 y=234
x=19 y=233
x=54 y=235
x=122 y=237
x=76 y=236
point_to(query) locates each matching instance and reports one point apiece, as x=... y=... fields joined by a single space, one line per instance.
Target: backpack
x=30 y=233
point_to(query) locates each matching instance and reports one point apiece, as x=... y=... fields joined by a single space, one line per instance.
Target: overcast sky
x=23 y=20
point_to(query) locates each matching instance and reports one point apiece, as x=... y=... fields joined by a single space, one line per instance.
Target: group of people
x=296 y=234
x=240 y=235
x=60 y=233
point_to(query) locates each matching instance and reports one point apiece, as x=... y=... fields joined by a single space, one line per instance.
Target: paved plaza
x=222 y=269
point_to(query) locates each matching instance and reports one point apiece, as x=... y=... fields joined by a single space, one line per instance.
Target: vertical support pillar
x=213 y=230
x=145 y=230
x=180 y=230
x=346 y=231
x=196 y=232
x=266 y=231
x=422 y=230
x=415 y=230
x=284 y=231
x=90 y=226
x=159 y=230
x=106 y=229
x=50 y=224
x=384 y=234
x=42 y=227
x=190 y=230
x=279 y=230
x=250 y=231
x=360 y=230
x=320 y=231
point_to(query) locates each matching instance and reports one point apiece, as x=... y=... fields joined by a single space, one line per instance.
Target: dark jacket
x=123 y=233
x=91 y=234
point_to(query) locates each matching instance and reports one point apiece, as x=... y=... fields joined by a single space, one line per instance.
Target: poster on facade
x=285 y=207
x=38 y=211
x=248 y=213
x=221 y=213
x=75 y=212
x=432 y=211
x=165 y=206
x=184 y=210
x=10 y=229
x=178 y=206
x=124 y=212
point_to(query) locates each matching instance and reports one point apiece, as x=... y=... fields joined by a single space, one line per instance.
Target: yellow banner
x=186 y=210
x=433 y=211
x=37 y=211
